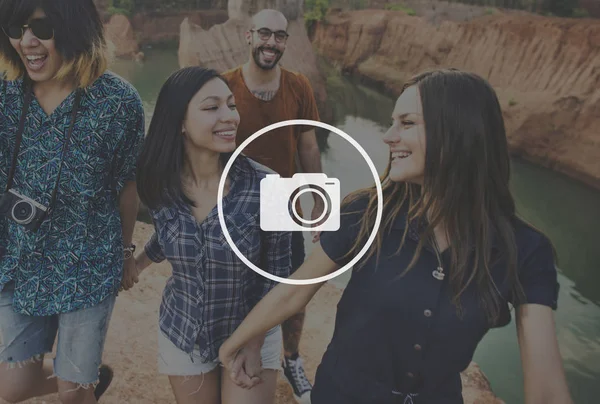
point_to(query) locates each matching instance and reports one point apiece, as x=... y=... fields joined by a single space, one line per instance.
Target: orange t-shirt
x=294 y=99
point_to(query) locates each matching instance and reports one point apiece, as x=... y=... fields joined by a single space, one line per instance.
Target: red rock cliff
x=120 y=34
x=546 y=72
x=163 y=27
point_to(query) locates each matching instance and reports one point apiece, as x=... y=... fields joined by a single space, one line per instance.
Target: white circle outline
x=371 y=238
x=325 y=204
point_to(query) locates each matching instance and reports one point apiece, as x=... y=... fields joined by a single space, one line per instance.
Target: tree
x=562 y=8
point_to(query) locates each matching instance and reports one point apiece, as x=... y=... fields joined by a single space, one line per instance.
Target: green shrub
x=315 y=10
x=115 y=10
x=125 y=7
x=560 y=8
x=581 y=13
x=400 y=7
x=357 y=4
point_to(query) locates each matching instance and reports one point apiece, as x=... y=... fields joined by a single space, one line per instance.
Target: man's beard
x=256 y=54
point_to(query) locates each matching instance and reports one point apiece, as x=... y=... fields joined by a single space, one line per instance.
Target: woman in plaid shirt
x=190 y=138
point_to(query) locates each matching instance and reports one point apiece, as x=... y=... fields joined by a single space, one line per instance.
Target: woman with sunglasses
x=448 y=262
x=70 y=133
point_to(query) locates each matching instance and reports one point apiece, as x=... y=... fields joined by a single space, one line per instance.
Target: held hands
x=131 y=272
x=244 y=365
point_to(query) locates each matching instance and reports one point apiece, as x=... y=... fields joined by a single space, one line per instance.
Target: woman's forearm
x=552 y=391
x=281 y=302
x=544 y=378
x=278 y=305
x=549 y=397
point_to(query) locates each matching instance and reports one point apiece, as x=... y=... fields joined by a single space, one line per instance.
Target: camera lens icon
x=23 y=212
x=279 y=201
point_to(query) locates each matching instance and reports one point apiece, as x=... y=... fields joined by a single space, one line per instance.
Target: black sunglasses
x=265 y=34
x=41 y=28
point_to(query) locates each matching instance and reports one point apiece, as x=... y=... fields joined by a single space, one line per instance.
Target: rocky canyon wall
x=546 y=72
x=163 y=27
x=121 y=37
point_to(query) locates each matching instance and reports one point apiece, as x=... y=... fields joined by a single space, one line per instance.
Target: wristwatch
x=128 y=251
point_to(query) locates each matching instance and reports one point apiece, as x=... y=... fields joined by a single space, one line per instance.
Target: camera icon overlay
x=273 y=198
x=279 y=199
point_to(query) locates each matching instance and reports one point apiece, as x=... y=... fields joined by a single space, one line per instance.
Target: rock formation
x=545 y=70
x=145 y=24
x=119 y=33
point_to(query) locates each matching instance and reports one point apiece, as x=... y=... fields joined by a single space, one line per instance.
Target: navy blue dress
x=399 y=336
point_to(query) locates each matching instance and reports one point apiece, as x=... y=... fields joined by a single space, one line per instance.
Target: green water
x=566 y=210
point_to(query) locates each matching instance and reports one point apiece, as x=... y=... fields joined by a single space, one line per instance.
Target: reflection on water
x=148 y=76
x=567 y=211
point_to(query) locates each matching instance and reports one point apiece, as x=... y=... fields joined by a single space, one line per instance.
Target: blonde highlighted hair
x=78 y=34
x=84 y=68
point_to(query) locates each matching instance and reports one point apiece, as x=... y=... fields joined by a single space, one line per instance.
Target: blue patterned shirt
x=211 y=290
x=75 y=259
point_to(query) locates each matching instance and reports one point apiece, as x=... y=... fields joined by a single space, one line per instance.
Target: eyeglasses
x=41 y=28
x=265 y=34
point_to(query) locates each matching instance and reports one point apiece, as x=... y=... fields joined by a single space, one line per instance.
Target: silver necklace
x=438 y=273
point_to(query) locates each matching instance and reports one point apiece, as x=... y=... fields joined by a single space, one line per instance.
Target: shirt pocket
x=176 y=240
x=244 y=230
x=171 y=231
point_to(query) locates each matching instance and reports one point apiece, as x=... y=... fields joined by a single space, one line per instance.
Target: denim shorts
x=173 y=361
x=81 y=336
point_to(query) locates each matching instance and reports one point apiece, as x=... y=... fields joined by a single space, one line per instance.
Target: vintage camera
x=22 y=210
x=279 y=198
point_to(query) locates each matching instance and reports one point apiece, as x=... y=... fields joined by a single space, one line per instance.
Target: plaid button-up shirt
x=211 y=290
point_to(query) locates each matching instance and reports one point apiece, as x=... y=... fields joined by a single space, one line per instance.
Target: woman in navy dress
x=450 y=260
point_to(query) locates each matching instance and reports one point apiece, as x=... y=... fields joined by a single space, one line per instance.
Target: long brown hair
x=465 y=187
x=162 y=159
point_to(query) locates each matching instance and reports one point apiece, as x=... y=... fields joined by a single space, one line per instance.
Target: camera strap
x=66 y=145
x=27 y=102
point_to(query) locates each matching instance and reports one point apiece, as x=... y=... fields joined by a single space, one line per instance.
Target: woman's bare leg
x=263 y=393
x=202 y=389
x=30 y=379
